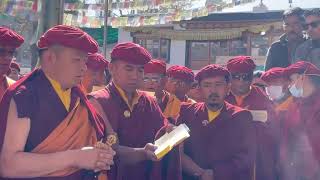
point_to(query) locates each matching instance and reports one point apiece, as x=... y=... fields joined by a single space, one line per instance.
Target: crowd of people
x=81 y=116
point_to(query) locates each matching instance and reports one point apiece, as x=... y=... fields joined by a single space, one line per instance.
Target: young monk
x=222 y=141
x=135 y=118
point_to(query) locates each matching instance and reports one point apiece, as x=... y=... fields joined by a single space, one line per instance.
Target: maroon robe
x=140 y=128
x=37 y=100
x=163 y=101
x=267 y=133
x=223 y=145
x=301 y=149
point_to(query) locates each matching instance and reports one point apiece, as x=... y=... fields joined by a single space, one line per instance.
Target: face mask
x=275 y=92
x=296 y=92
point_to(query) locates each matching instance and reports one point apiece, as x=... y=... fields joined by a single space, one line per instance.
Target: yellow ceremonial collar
x=285 y=104
x=64 y=95
x=212 y=115
x=123 y=95
x=8 y=81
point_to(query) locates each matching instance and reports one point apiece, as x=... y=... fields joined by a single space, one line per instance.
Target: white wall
x=124 y=36
x=177 y=48
x=178 y=52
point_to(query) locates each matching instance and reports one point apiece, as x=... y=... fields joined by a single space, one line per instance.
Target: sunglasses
x=314 y=24
x=244 y=77
x=260 y=85
x=5 y=52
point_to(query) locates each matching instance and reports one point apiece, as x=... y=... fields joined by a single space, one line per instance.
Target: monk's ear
x=112 y=68
x=47 y=57
x=51 y=56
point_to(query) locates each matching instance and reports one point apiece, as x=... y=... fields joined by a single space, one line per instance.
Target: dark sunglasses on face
x=260 y=85
x=244 y=77
x=5 y=52
x=314 y=24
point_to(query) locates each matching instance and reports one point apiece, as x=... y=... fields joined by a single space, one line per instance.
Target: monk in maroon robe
x=48 y=129
x=301 y=151
x=94 y=77
x=277 y=88
x=9 y=42
x=221 y=144
x=252 y=98
x=180 y=80
x=135 y=119
x=154 y=82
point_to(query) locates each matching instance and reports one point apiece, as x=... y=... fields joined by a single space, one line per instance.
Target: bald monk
x=48 y=129
x=94 y=76
x=221 y=145
x=300 y=155
x=252 y=98
x=9 y=42
x=135 y=118
x=180 y=80
x=154 y=81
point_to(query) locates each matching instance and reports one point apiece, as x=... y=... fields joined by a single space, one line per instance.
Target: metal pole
x=61 y=12
x=105 y=28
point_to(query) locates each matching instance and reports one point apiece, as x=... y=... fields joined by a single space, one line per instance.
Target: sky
x=276 y=5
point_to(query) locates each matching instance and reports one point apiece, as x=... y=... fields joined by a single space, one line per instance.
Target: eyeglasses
x=4 y=52
x=154 y=79
x=244 y=77
x=314 y=24
x=177 y=81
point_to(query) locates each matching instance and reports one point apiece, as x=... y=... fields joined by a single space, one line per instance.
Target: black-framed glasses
x=5 y=52
x=244 y=77
x=314 y=24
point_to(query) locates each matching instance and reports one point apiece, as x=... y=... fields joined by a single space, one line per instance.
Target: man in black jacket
x=310 y=50
x=281 y=52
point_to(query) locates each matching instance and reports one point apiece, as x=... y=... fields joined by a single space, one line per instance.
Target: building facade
x=210 y=39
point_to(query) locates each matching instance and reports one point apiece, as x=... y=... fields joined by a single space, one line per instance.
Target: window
x=259 y=45
x=199 y=54
x=202 y=53
x=159 y=48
